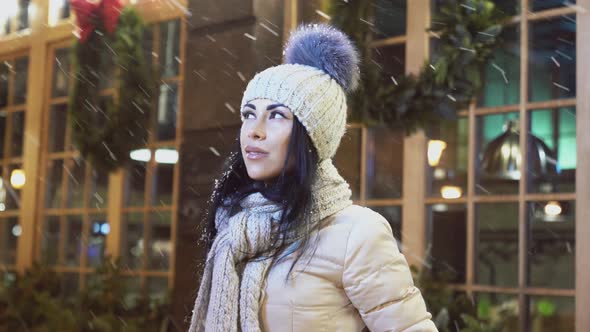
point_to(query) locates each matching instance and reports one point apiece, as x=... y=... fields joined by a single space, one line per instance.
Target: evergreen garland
x=468 y=33
x=106 y=135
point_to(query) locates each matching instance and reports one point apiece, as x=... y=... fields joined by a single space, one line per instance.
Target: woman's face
x=264 y=138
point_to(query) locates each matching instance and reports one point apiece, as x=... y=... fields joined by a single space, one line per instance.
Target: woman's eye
x=275 y=114
x=246 y=115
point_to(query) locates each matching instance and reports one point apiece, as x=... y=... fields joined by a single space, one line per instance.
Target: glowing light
x=17 y=178
x=553 y=209
x=141 y=155
x=32 y=12
x=435 y=150
x=55 y=8
x=166 y=156
x=11 y=9
x=105 y=228
x=439 y=173
x=451 y=192
x=17 y=230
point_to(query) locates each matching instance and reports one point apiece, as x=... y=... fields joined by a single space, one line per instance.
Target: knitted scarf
x=226 y=289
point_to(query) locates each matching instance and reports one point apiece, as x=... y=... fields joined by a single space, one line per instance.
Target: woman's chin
x=261 y=174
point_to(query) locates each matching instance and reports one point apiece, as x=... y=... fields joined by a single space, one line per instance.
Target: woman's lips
x=256 y=155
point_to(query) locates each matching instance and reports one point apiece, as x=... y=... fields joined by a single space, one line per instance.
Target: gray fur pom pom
x=326 y=48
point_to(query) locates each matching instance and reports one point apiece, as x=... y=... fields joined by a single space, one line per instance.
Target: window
x=74 y=198
x=13 y=95
x=150 y=185
x=509 y=238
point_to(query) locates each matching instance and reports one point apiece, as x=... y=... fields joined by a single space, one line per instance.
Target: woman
x=288 y=249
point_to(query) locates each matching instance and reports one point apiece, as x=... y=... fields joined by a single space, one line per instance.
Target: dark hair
x=292 y=190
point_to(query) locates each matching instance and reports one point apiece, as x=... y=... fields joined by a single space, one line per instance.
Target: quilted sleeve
x=378 y=282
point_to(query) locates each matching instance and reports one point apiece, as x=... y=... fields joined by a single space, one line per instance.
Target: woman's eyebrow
x=273 y=106
x=250 y=105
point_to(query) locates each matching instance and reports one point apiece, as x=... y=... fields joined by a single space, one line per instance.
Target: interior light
x=17 y=230
x=435 y=150
x=105 y=228
x=553 y=209
x=17 y=178
x=439 y=173
x=166 y=156
x=451 y=192
x=55 y=8
x=143 y=155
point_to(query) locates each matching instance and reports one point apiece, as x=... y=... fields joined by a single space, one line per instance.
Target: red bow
x=88 y=11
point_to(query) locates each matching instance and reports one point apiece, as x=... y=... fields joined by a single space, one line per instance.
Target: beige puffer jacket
x=356 y=279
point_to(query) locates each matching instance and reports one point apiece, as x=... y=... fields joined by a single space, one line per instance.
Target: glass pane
x=552 y=150
x=76 y=175
x=385 y=150
x=73 y=245
x=132 y=240
x=551 y=313
x=167 y=112
x=496 y=244
x=3 y=125
x=447 y=159
x=99 y=183
x=58 y=115
x=65 y=10
x=390 y=18
x=99 y=228
x=98 y=116
x=348 y=160
x=20 y=81
x=551 y=244
x=7 y=24
x=552 y=59
x=133 y=291
x=50 y=241
x=498 y=311
x=7 y=278
x=53 y=179
x=148 y=44
x=4 y=82
x=61 y=72
x=537 y=5
x=391 y=60
x=18 y=134
x=501 y=75
x=498 y=158
x=70 y=285
x=393 y=214
x=135 y=182
x=163 y=180
x=169 y=47
x=160 y=246
x=158 y=289
x=4 y=184
x=510 y=7
x=13 y=185
x=10 y=230
x=23 y=14
x=106 y=77
x=447 y=241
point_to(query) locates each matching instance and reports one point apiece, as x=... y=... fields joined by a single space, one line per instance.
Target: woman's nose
x=257 y=132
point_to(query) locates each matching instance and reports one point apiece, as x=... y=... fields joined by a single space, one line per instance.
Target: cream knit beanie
x=321 y=66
